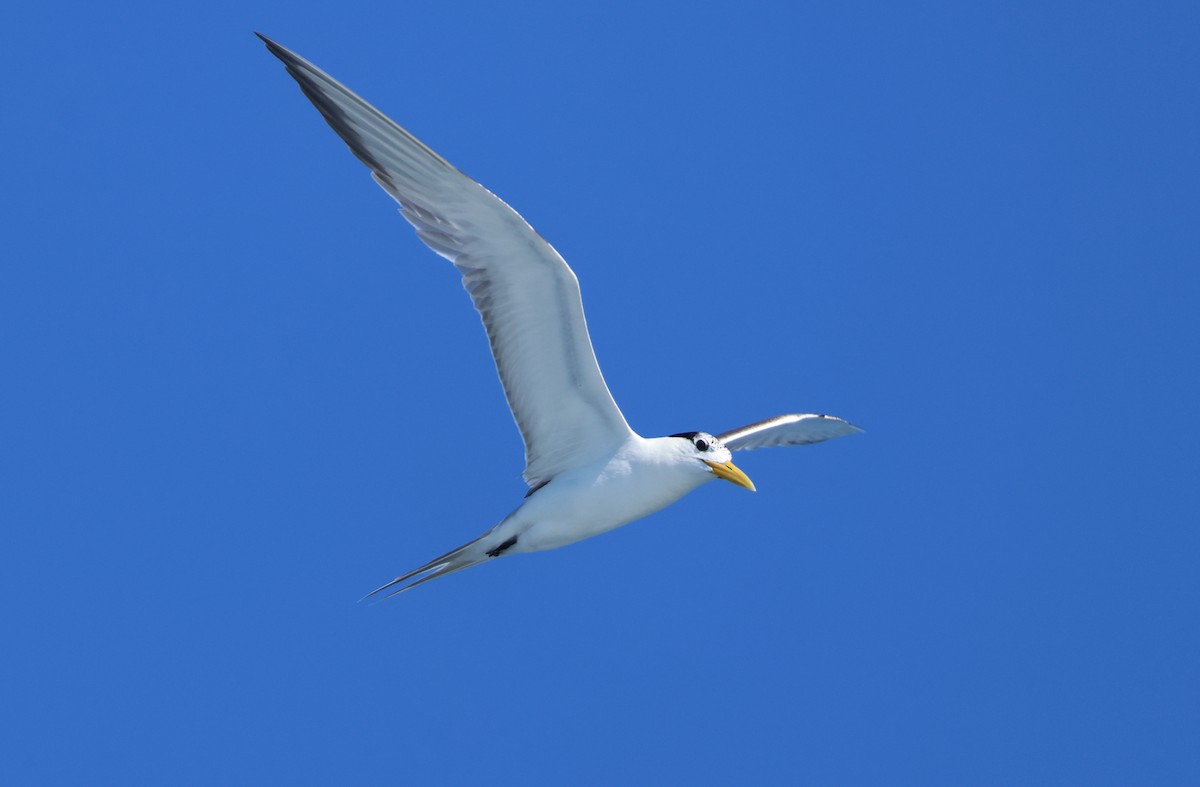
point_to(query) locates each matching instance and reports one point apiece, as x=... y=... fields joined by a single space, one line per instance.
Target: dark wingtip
x=275 y=48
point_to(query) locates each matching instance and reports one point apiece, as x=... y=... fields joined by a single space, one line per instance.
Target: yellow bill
x=731 y=473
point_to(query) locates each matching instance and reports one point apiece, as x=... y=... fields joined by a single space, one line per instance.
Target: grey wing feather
x=523 y=290
x=796 y=429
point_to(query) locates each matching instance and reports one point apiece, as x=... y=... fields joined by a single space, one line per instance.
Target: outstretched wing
x=798 y=429
x=527 y=296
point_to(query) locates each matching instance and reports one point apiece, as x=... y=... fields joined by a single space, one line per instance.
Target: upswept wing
x=526 y=295
x=798 y=429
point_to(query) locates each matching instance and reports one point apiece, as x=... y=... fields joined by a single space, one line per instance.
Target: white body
x=643 y=476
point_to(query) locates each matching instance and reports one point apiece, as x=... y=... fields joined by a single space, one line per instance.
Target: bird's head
x=707 y=449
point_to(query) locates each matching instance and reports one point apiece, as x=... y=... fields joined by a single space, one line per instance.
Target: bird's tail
x=470 y=554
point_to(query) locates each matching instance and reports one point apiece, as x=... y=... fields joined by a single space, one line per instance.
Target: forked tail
x=471 y=554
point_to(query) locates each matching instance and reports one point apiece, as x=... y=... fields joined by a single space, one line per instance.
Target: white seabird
x=587 y=471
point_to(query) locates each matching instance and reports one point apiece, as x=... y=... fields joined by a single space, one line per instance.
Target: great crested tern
x=587 y=471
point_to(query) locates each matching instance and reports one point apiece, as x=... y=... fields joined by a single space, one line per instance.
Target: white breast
x=637 y=480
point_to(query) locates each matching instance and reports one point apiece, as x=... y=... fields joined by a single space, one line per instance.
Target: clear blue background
x=238 y=393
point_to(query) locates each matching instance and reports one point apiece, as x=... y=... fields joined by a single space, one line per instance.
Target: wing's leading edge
x=524 y=291
x=797 y=429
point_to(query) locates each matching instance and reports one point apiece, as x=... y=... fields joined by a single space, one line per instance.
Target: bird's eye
x=702 y=445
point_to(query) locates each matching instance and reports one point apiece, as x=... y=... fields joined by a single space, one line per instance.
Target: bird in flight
x=587 y=471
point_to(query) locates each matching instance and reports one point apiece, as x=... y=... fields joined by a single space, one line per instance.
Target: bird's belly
x=580 y=508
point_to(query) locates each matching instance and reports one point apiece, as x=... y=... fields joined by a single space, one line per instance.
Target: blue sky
x=240 y=394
